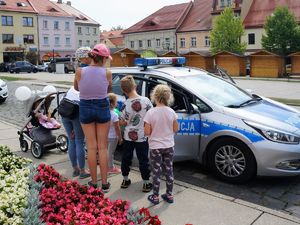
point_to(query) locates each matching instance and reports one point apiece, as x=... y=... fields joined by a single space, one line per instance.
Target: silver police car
x=3 y=91
x=236 y=134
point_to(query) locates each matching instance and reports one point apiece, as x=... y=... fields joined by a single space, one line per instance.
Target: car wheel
x=231 y=160
x=63 y=143
x=35 y=70
x=11 y=71
x=66 y=70
x=24 y=145
x=36 y=150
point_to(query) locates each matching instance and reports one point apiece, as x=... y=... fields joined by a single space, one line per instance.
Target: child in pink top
x=161 y=125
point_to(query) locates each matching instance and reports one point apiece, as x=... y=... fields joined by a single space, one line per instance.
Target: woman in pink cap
x=94 y=82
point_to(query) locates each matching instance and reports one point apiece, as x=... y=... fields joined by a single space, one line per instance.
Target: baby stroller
x=39 y=133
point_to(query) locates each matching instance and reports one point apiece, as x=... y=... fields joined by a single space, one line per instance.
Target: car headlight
x=3 y=84
x=274 y=134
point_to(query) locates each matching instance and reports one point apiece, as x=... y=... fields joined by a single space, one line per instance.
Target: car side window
x=116 y=85
x=202 y=106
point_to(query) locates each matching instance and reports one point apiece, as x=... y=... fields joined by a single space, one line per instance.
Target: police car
x=3 y=91
x=236 y=134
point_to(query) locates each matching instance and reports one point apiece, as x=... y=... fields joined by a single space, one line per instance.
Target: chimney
x=69 y=3
x=59 y=1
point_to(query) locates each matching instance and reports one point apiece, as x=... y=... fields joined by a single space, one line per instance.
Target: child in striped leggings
x=160 y=126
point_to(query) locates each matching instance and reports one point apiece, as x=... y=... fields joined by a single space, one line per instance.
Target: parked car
x=238 y=135
x=69 y=64
x=43 y=67
x=4 y=67
x=3 y=91
x=22 y=66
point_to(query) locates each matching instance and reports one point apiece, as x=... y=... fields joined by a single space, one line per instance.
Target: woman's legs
x=91 y=137
x=102 y=134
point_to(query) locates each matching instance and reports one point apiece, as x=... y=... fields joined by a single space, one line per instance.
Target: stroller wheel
x=63 y=143
x=24 y=145
x=37 y=150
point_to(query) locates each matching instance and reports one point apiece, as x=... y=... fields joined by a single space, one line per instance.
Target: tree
x=32 y=57
x=227 y=32
x=282 y=33
x=119 y=27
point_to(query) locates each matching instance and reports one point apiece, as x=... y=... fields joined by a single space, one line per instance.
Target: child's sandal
x=153 y=199
x=168 y=198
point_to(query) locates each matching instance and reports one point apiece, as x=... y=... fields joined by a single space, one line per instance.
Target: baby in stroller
x=39 y=126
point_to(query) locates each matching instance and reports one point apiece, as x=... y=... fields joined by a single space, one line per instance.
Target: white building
x=87 y=30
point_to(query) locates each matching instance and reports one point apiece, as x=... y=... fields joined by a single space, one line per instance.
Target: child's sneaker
x=84 y=175
x=106 y=187
x=147 y=187
x=153 y=199
x=75 y=173
x=125 y=183
x=168 y=198
x=91 y=184
x=114 y=170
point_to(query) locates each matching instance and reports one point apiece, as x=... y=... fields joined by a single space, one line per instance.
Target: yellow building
x=18 y=30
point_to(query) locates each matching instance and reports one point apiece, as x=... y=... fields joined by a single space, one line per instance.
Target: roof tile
x=48 y=8
x=11 y=5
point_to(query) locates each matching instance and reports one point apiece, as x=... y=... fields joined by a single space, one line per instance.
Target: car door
x=27 y=67
x=187 y=139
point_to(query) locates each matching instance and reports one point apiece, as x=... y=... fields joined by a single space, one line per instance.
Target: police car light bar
x=144 y=62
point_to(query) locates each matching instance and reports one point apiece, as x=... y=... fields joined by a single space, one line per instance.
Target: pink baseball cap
x=102 y=50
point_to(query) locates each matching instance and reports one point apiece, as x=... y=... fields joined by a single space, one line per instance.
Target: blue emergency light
x=145 y=62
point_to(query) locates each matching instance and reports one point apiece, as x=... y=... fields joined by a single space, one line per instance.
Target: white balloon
x=49 y=89
x=23 y=93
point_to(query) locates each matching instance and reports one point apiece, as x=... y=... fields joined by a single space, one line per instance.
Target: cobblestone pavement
x=282 y=194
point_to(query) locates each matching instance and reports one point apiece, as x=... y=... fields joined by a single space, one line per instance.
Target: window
x=193 y=42
x=67 y=25
x=7 y=21
x=28 y=39
x=46 y=40
x=167 y=43
x=21 y=4
x=251 y=39
x=149 y=43
x=79 y=30
x=207 y=41
x=68 y=41
x=157 y=43
x=27 y=22
x=95 y=31
x=182 y=42
x=131 y=44
x=87 y=30
x=56 y=25
x=80 y=43
x=140 y=43
x=45 y=24
x=228 y=2
x=222 y=3
x=2 y=3
x=88 y=43
x=56 y=40
x=7 y=38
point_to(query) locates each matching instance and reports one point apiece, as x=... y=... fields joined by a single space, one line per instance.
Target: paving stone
x=276 y=192
x=293 y=209
x=267 y=219
x=273 y=203
x=291 y=198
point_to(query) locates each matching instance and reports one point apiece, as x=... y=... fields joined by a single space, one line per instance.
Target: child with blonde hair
x=160 y=124
x=114 y=135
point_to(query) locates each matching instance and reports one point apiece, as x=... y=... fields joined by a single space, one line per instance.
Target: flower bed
x=45 y=197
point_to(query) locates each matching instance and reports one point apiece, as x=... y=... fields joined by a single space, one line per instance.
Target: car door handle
x=205 y=125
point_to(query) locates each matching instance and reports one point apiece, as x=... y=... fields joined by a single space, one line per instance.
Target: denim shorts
x=94 y=111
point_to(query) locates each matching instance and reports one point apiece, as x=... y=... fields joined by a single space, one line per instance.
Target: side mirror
x=194 y=108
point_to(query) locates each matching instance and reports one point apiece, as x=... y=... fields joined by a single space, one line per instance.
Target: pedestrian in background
x=82 y=56
x=134 y=110
x=114 y=135
x=161 y=125
x=75 y=135
x=94 y=82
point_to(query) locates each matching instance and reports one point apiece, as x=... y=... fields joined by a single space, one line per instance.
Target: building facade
x=87 y=30
x=113 y=39
x=56 y=30
x=18 y=30
x=157 y=32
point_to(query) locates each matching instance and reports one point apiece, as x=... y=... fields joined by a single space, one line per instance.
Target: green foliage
x=226 y=33
x=282 y=32
x=32 y=57
x=119 y=27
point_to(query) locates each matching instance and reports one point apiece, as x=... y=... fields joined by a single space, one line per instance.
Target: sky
x=112 y=13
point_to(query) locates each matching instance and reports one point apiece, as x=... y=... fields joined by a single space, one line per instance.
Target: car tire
x=11 y=71
x=231 y=160
x=35 y=71
x=66 y=70
x=37 y=150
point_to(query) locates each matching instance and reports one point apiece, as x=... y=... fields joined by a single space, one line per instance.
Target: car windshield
x=217 y=90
